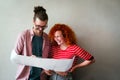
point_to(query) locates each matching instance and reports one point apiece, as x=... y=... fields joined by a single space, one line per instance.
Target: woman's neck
x=63 y=46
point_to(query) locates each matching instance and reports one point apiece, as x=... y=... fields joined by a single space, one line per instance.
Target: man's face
x=39 y=26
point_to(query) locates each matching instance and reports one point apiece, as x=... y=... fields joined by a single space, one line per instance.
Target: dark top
x=37 y=43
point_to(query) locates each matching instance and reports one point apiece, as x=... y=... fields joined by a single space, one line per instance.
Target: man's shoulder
x=25 y=33
x=27 y=30
x=45 y=34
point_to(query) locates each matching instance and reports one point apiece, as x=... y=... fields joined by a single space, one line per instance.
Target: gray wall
x=95 y=22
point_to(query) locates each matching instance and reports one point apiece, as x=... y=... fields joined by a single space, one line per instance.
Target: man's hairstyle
x=40 y=12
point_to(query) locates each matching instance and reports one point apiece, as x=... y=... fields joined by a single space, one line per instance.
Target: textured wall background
x=95 y=22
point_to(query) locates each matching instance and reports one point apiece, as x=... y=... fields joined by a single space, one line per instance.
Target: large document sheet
x=45 y=63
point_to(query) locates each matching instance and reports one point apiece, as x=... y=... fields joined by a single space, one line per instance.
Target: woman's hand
x=83 y=64
x=73 y=68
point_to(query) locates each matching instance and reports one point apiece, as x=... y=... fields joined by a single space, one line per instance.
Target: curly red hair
x=67 y=33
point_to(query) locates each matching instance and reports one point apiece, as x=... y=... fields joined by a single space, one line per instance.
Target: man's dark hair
x=40 y=12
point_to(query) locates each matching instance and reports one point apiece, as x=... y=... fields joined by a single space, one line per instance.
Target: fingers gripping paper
x=45 y=63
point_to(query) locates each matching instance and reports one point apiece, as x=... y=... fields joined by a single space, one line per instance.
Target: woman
x=64 y=45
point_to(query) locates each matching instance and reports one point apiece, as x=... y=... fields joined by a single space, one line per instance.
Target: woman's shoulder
x=74 y=47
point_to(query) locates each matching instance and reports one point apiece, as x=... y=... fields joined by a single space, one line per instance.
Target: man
x=33 y=42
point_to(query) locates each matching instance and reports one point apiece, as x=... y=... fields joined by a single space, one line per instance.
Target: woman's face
x=58 y=37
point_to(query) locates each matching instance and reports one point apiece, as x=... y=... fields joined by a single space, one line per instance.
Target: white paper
x=45 y=63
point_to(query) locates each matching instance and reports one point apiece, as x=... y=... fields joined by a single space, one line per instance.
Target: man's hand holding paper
x=61 y=65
